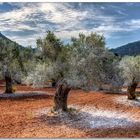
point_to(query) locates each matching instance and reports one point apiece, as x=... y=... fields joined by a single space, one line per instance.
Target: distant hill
x=24 y=53
x=4 y=39
x=2 y=36
x=131 y=49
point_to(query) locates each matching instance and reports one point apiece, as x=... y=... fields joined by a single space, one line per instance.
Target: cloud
x=58 y=13
x=28 y=21
x=52 y=12
x=105 y=30
x=39 y=17
x=134 y=24
x=17 y=15
x=26 y=40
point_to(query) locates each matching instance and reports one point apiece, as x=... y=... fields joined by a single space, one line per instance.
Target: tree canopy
x=85 y=63
x=130 y=69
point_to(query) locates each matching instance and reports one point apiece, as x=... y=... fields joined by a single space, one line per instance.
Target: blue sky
x=25 y=22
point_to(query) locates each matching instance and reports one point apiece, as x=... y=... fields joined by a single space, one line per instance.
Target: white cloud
x=55 y=13
x=58 y=13
x=103 y=29
x=14 y=27
x=17 y=15
x=122 y=13
x=134 y=23
x=52 y=12
x=67 y=22
x=27 y=40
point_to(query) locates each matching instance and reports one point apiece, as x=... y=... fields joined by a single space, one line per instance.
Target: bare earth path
x=100 y=115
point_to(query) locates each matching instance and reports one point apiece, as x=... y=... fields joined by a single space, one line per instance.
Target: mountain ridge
x=131 y=49
x=3 y=36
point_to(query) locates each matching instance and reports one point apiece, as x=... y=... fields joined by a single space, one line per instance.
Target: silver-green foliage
x=130 y=66
x=88 y=64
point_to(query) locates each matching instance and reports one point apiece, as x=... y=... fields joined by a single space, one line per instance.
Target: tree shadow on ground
x=136 y=102
x=86 y=121
x=21 y=96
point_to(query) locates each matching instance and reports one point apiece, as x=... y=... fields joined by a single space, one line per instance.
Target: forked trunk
x=61 y=95
x=131 y=91
x=8 y=80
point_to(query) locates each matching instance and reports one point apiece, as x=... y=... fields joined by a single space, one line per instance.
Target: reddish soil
x=18 y=120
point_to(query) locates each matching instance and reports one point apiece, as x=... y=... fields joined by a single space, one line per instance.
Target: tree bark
x=131 y=91
x=61 y=95
x=8 y=80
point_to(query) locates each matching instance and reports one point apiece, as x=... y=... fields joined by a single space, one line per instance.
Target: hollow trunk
x=61 y=95
x=131 y=91
x=8 y=80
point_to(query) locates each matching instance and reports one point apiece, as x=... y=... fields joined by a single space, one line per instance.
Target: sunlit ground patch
x=124 y=101
x=88 y=117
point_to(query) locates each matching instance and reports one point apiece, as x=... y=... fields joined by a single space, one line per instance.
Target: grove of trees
x=85 y=63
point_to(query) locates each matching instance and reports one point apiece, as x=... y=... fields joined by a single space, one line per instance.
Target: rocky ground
x=93 y=114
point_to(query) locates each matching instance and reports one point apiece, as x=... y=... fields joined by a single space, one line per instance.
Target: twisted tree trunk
x=131 y=91
x=8 y=80
x=61 y=95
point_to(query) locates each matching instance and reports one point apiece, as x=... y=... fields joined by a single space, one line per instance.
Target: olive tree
x=50 y=46
x=131 y=73
x=87 y=65
x=10 y=62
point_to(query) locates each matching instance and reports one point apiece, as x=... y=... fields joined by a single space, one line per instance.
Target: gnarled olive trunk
x=61 y=95
x=8 y=80
x=131 y=90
